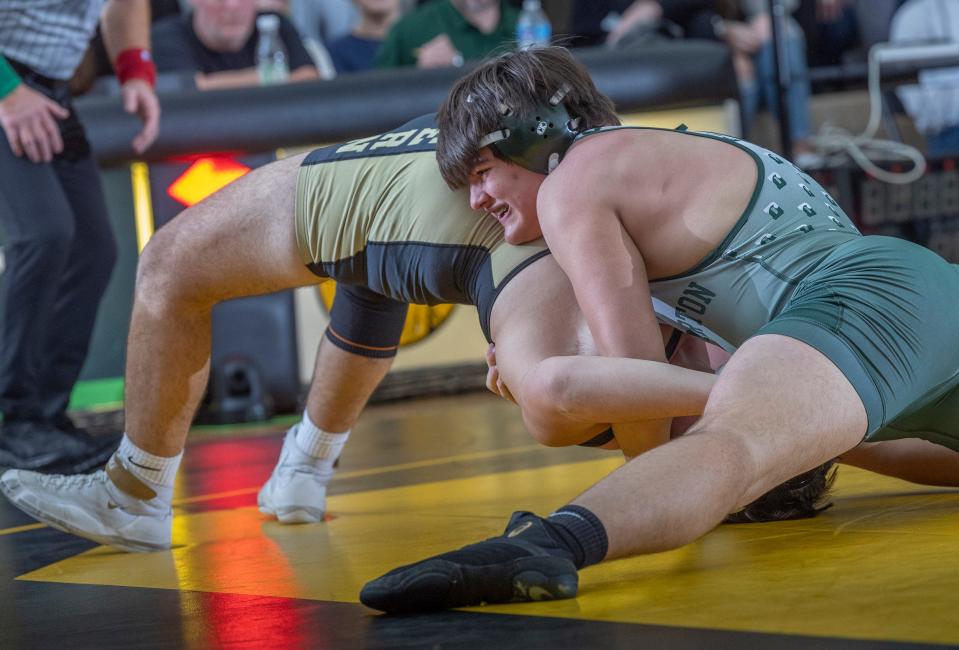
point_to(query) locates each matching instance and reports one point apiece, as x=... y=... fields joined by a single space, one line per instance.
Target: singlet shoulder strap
x=681 y=128
x=600 y=129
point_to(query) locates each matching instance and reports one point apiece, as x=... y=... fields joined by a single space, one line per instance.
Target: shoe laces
x=72 y=481
x=289 y=470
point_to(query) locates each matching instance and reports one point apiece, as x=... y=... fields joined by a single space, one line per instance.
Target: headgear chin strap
x=539 y=140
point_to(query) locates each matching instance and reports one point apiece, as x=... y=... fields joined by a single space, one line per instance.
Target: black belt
x=34 y=78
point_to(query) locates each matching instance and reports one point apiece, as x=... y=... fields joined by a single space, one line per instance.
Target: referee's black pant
x=59 y=252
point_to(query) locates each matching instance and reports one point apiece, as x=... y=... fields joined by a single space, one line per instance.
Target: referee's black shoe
x=91 y=452
x=41 y=446
x=523 y=564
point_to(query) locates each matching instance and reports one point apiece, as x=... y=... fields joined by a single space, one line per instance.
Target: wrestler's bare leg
x=239 y=242
x=779 y=408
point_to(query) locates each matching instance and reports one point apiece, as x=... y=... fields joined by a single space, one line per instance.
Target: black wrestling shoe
x=524 y=564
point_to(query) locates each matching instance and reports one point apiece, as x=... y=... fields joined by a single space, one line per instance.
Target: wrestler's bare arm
x=910 y=459
x=605 y=268
x=545 y=356
x=608 y=276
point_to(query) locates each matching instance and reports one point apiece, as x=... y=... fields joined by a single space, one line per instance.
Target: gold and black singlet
x=375 y=215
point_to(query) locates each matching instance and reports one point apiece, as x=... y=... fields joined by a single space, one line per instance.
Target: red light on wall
x=203 y=178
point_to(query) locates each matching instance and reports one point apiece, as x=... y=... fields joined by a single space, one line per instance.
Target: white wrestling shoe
x=296 y=491
x=91 y=506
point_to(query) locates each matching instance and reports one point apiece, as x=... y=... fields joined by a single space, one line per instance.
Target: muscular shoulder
x=589 y=178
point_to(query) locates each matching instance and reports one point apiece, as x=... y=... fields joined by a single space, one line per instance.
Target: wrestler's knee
x=734 y=454
x=164 y=278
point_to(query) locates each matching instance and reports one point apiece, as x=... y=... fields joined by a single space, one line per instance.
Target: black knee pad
x=366 y=323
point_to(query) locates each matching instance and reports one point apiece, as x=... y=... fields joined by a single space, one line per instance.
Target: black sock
x=582 y=532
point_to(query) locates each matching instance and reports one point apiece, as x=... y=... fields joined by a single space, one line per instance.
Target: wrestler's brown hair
x=801 y=497
x=522 y=81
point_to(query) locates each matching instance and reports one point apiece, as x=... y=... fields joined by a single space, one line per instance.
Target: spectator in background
x=160 y=9
x=831 y=28
x=449 y=32
x=608 y=21
x=748 y=32
x=322 y=21
x=60 y=248
x=217 y=41
x=318 y=22
x=357 y=51
x=96 y=63
x=933 y=104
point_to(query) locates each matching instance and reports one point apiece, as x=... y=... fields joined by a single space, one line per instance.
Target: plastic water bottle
x=271 y=59
x=532 y=27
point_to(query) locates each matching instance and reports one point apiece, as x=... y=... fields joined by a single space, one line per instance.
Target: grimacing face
x=507 y=193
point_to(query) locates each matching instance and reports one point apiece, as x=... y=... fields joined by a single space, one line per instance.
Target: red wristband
x=135 y=63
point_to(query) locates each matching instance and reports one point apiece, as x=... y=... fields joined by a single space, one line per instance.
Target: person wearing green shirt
x=449 y=32
x=9 y=79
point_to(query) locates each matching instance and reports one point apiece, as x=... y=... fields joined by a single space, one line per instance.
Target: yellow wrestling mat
x=882 y=564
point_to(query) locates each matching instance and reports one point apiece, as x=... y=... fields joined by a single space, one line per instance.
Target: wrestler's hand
x=139 y=97
x=29 y=120
x=493 y=381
